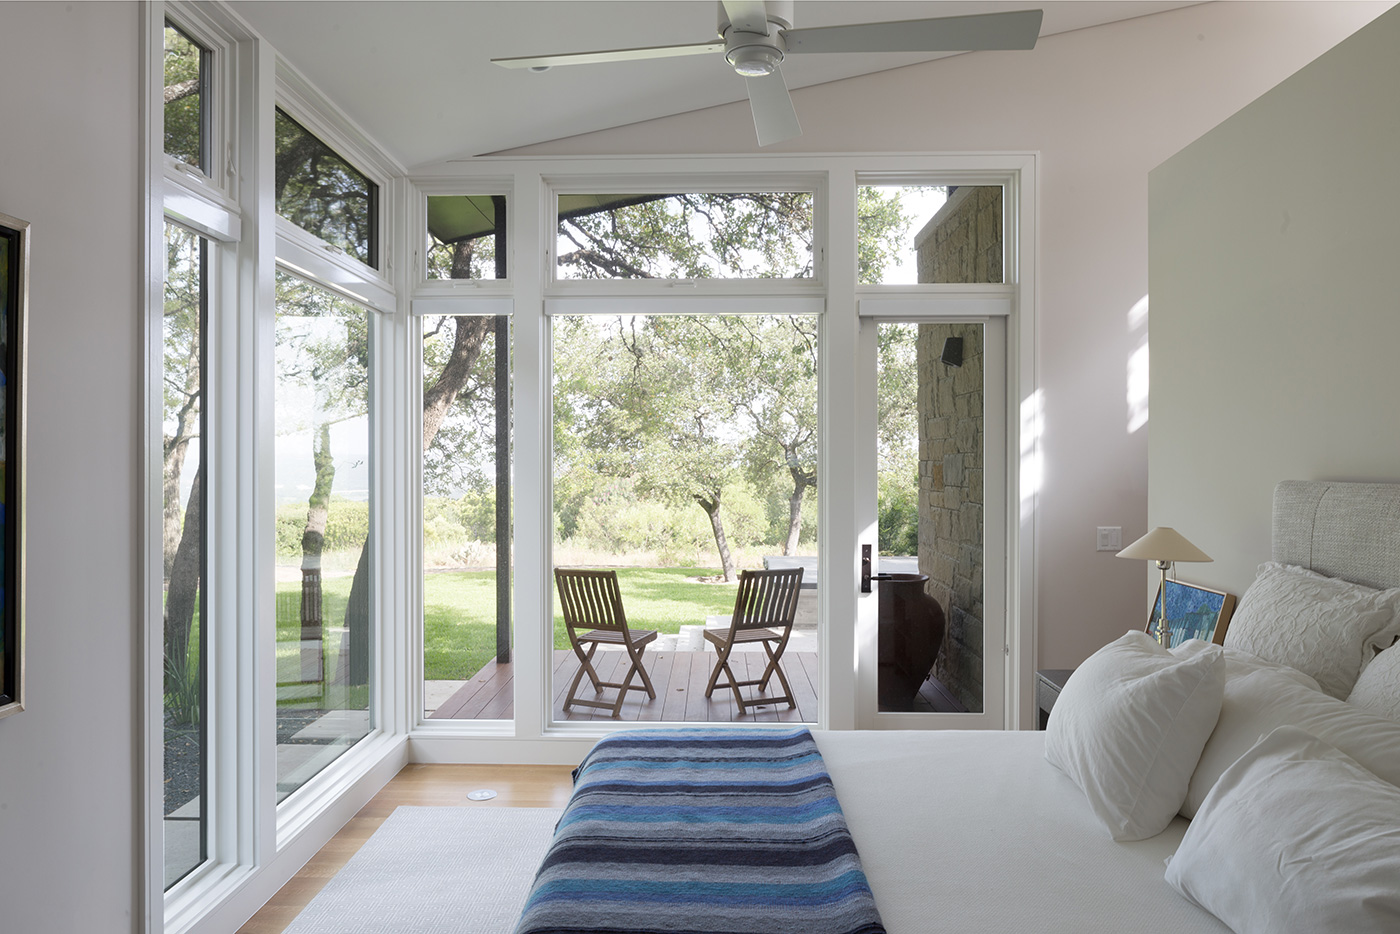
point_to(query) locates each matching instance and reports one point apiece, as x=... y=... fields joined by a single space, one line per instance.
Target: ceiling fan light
x=754 y=61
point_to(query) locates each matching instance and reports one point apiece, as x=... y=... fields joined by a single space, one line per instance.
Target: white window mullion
x=533 y=525
x=838 y=393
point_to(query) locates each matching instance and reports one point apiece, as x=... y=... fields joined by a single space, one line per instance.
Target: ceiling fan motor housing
x=754 y=54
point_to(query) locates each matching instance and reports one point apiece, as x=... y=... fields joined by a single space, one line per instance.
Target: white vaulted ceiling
x=416 y=74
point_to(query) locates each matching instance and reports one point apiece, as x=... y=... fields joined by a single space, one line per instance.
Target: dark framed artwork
x=14 y=307
x=1192 y=612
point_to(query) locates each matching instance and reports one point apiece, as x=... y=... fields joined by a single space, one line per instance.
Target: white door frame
x=997 y=595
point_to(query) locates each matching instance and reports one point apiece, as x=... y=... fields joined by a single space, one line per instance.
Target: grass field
x=459 y=612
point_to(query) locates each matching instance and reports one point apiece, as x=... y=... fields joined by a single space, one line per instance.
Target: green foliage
x=898 y=519
x=755 y=235
x=184 y=102
x=347 y=527
x=182 y=696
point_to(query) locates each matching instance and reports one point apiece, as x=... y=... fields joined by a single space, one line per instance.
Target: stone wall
x=962 y=243
x=950 y=500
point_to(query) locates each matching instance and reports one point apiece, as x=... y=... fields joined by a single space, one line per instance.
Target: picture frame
x=1192 y=612
x=14 y=311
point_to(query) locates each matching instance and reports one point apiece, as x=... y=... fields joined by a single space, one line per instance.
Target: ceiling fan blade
x=610 y=55
x=773 y=115
x=1015 y=30
x=747 y=15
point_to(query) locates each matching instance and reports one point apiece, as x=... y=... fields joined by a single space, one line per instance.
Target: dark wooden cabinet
x=1048 y=683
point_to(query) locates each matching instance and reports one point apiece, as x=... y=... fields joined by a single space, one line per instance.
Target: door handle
x=865 y=576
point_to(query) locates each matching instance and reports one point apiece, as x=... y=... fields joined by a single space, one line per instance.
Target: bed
x=960 y=831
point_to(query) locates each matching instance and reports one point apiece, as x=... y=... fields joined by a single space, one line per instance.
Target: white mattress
x=963 y=831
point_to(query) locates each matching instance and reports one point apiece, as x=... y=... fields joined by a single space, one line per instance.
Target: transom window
x=325 y=195
x=699 y=235
x=186 y=99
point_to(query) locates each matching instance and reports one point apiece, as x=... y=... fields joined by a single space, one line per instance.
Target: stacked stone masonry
x=962 y=243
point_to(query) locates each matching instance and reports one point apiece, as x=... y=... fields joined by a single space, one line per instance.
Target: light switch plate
x=1110 y=538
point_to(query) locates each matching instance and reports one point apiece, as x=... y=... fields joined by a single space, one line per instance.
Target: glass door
x=933 y=491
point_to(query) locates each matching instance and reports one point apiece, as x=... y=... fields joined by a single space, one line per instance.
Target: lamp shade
x=1164 y=544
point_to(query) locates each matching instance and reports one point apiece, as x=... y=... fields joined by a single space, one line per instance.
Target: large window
x=323 y=484
x=325 y=195
x=685 y=451
x=466 y=517
x=183 y=553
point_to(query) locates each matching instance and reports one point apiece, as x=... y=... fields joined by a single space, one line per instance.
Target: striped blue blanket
x=698 y=831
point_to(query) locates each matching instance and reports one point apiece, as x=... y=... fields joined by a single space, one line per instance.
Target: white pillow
x=1323 y=626
x=1260 y=697
x=1129 y=726
x=1296 y=836
x=1378 y=688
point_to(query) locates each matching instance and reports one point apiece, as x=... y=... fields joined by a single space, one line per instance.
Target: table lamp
x=1165 y=546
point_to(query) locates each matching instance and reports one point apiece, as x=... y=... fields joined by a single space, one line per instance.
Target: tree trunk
x=182 y=594
x=794 y=519
x=438 y=398
x=800 y=481
x=170 y=534
x=726 y=560
x=313 y=540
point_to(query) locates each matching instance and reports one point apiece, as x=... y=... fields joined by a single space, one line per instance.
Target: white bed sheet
x=975 y=831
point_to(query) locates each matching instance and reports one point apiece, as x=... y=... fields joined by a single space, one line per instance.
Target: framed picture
x=14 y=306
x=1192 y=612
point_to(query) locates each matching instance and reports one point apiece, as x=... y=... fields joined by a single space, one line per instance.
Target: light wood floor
x=519 y=786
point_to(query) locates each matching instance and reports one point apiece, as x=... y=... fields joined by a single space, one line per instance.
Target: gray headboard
x=1346 y=530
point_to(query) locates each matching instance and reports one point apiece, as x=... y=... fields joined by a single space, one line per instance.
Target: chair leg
x=774 y=668
x=641 y=669
x=585 y=665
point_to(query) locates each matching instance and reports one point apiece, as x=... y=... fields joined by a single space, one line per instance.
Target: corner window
x=325 y=195
x=186 y=99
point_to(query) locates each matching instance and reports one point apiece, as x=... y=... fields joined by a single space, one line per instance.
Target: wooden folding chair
x=592 y=606
x=763 y=612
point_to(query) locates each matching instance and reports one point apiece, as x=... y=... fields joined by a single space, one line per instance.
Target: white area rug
x=436 y=870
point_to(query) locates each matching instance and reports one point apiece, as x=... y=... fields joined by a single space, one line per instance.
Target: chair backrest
x=590 y=599
x=767 y=599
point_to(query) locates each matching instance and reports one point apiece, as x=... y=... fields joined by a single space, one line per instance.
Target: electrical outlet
x=1110 y=538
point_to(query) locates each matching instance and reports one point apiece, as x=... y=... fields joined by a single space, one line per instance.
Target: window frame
x=557 y=184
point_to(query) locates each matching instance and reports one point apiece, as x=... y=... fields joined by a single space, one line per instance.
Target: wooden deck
x=679 y=679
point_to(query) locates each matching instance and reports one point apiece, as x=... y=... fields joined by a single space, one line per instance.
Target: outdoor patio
x=679 y=678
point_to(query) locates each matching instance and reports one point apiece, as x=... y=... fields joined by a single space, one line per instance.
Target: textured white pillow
x=1323 y=626
x=1260 y=697
x=1296 y=836
x=1129 y=726
x=1378 y=688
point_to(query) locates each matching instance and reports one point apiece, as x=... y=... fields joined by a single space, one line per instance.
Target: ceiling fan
x=755 y=37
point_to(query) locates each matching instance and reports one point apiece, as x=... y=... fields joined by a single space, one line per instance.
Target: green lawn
x=460 y=612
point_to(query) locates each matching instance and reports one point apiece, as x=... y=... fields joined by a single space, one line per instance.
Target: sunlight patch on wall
x=1138 y=382
x=1032 y=427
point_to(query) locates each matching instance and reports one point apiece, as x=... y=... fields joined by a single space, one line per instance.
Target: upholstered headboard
x=1346 y=530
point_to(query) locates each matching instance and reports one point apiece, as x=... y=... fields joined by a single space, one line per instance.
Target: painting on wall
x=14 y=294
x=1192 y=612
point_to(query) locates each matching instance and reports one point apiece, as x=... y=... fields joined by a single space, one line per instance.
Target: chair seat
x=612 y=637
x=717 y=636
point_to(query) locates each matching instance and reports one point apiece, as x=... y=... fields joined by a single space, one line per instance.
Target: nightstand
x=1048 y=684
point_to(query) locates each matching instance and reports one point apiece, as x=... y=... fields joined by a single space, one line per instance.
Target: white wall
x=1102 y=106
x=1275 y=323
x=68 y=764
